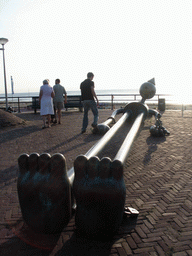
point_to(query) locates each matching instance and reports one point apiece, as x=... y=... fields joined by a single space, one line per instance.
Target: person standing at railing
x=58 y=99
x=88 y=97
x=46 y=102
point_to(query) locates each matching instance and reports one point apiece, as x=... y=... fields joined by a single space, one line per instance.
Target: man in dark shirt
x=88 y=95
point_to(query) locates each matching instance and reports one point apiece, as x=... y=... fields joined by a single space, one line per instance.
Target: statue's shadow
x=152 y=143
x=81 y=246
x=84 y=247
x=27 y=242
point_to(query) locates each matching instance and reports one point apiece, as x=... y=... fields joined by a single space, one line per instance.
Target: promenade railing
x=106 y=100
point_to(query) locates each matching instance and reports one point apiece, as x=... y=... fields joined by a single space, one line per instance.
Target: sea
x=104 y=96
x=99 y=92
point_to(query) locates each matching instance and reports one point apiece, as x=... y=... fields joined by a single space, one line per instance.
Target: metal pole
x=123 y=152
x=107 y=137
x=111 y=119
x=101 y=143
x=5 y=77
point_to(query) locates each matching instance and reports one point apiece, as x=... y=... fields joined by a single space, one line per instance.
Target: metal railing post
x=182 y=109
x=111 y=101
x=18 y=106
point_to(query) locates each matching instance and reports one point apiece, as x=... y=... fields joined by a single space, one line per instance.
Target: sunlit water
x=184 y=99
x=177 y=97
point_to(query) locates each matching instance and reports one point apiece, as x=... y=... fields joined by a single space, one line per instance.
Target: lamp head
x=3 y=40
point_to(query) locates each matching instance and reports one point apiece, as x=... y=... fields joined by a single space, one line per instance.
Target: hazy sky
x=123 y=42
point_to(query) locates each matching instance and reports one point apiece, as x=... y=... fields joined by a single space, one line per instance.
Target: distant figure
x=46 y=102
x=88 y=95
x=58 y=99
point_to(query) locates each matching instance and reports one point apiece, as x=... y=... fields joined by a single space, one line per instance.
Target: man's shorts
x=58 y=105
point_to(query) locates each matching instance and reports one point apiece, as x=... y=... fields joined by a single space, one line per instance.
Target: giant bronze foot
x=100 y=193
x=44 y=192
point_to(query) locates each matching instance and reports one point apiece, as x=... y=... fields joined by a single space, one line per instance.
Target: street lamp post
x=3 y=41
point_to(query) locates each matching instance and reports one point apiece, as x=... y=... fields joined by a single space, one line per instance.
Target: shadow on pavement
x=84 y=247
x=17 y=247
x=17 y=133
x=78 y=246
x=49 y=150
x=9 y=174
x=23 y=241
x=152 y=143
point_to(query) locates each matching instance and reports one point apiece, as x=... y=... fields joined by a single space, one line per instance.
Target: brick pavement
x=158 y=177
